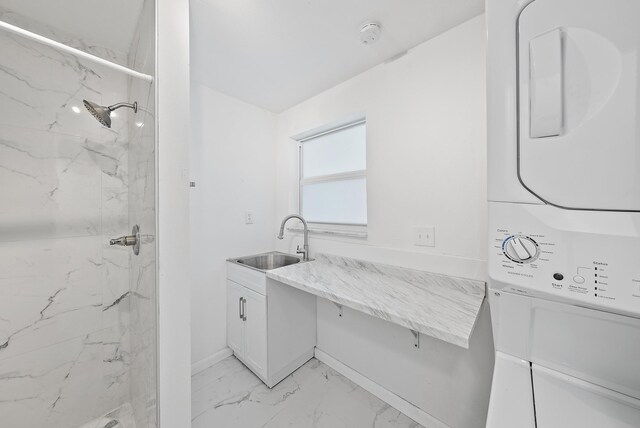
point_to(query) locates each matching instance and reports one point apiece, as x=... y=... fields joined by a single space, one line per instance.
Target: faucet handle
x=304 y=251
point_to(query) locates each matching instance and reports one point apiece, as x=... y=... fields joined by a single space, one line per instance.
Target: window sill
x=358 y=234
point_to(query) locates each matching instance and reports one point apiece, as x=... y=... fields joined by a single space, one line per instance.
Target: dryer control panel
x=520 y=249
x=600 y=270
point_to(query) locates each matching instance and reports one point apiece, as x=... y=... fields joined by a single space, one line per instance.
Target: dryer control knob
x=520 y=249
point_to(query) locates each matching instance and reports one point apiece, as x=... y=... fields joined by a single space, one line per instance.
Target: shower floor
x=122 y=417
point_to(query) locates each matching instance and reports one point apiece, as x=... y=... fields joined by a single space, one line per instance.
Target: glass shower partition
x=77 y=315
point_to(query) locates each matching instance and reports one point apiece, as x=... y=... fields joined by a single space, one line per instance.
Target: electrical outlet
x=248 y=217
x=425 y=236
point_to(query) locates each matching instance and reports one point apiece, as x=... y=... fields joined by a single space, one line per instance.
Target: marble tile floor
x=121 y=417
x=228 y=395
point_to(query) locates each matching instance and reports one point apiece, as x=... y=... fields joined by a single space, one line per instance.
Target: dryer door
x=579 y=101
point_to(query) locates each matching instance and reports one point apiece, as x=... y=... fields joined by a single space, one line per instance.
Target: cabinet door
x=235 y=325
x=256 y=332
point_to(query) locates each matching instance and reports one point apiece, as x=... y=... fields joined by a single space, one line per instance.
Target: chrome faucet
x=305 y=246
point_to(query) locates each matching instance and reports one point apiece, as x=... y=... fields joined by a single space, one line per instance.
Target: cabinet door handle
x=244 y=314
x=240 y=308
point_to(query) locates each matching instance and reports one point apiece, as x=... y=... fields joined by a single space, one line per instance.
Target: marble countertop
x=439 y=306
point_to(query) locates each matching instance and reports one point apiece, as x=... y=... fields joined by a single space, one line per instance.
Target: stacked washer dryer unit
x=564 y=212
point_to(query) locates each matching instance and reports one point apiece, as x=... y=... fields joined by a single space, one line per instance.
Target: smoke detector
x=370 y=32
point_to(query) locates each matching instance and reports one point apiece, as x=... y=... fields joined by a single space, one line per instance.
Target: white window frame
x=346 y=229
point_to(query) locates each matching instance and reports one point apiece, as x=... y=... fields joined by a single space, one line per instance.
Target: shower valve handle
x=132 y=240
x=125 y=241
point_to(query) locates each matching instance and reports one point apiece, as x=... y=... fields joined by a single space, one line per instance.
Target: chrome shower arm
x=133 y=106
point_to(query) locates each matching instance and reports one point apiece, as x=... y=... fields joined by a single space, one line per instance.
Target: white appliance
x=564 y=212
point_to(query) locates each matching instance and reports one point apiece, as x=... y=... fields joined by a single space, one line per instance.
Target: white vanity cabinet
x=271 y=327
x=247 y=327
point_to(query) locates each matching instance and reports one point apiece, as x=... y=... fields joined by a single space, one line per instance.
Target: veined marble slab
x=440 y=306
x=69 y=320
x=122 y=417
x=229 y=395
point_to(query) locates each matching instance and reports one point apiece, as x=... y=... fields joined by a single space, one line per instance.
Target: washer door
x=567 y=402
x=579 y=103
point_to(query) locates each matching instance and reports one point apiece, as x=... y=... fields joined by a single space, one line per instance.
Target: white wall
x=232 y=163
x=449 y=383
x=172 y=86
x=426 y=162
x=426 y=165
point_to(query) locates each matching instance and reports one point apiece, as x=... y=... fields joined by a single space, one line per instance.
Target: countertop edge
x=438 y=333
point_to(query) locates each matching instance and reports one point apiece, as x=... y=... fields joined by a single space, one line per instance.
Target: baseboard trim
x=381 y=392
x=205 y=363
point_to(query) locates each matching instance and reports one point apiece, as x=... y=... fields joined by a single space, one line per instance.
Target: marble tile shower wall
x=142 y=171
x=62 y=37
x=64 y=307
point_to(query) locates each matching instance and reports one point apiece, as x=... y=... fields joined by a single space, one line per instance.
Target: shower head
x=103 y=114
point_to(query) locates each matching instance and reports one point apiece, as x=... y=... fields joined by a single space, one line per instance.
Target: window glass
x=343 y=201
x=335 y=152
x=333 y=181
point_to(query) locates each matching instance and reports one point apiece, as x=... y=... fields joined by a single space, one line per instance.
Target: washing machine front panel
x=564 y=401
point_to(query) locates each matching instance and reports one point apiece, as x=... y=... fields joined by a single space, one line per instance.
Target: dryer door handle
x=546 y=84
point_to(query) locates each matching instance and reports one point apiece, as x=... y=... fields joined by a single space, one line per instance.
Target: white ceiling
x=105 y=23
x=277 y=53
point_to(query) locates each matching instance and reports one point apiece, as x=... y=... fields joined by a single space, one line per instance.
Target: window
x=333 y=175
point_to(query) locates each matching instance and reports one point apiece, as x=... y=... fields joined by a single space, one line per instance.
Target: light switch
x=425 y=236
x=248 y=217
